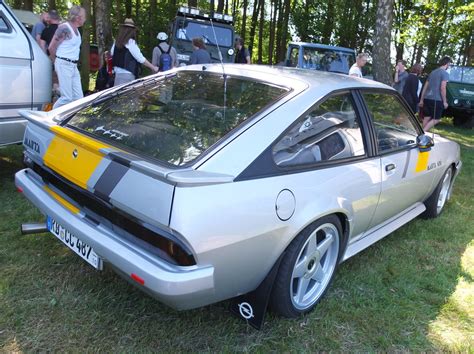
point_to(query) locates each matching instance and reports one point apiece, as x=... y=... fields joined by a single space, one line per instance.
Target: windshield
x=187 y=30
x=178 y=118
x=461 y=74
x=323 y=59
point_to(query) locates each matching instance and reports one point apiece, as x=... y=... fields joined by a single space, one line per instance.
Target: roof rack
x=197 y=13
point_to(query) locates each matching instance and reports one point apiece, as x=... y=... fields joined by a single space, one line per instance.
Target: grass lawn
x=414 y=291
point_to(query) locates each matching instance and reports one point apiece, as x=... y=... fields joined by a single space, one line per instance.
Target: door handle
x=390 y=167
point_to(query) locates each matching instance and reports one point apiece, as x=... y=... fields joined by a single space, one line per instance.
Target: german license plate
x=81 y=248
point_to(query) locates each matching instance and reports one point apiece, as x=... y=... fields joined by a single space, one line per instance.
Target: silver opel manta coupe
x=194 y=184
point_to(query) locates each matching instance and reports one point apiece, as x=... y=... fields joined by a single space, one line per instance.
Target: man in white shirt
x=361 y=60
x=64 y=51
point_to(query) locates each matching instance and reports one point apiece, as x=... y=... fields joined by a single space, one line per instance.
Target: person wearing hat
x=165 y=52
x=64 y=52
x=126 y=56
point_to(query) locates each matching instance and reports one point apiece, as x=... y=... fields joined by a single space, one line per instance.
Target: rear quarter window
x=177 y=119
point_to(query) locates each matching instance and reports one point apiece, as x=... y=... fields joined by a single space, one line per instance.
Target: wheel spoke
x=302 y=288
x=319 y=274
x=300 y=268
x=312 y=245
x=323 y=246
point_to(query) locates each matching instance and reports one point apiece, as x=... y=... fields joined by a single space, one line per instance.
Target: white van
x=25 y=76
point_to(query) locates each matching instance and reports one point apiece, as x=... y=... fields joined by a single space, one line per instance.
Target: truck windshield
x=461 y=74
x=187 y=30
x=323 y=59
x=176 y=119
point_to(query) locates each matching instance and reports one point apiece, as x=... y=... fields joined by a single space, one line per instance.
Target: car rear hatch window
x=176 y=119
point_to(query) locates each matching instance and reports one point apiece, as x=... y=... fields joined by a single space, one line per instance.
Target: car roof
x=322 y=46
x=320 y=83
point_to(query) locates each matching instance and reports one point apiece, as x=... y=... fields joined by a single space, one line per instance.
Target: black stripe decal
x=109 y=180
x=406 y=164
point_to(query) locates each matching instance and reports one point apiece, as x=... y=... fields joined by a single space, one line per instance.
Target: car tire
x=437 y=200
x=307 y=268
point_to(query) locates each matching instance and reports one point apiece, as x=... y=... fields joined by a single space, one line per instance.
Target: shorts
x=433 y=109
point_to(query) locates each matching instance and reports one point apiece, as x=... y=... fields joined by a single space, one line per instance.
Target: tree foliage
x=423 y=31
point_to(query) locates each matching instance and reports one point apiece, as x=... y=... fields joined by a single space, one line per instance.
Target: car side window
x=4 y=25
x=393 y=127
x=329 y=131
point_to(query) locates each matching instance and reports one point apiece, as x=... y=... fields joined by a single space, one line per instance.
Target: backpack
x=166 y=62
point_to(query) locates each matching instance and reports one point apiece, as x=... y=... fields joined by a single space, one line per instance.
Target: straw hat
x=128 y=23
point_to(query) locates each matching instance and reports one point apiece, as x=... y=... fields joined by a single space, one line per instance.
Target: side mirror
x=424 y=142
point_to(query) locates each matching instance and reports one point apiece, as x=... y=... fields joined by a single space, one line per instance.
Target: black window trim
x=264 y=165
x=411 y=117
x=9 y=25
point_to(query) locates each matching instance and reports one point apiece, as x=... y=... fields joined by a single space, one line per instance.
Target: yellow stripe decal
x=422 y=163
x=61 y=200
x=73 y=155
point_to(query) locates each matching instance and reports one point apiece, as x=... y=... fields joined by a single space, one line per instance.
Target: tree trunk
x=220 y=6
x=260 y=32
x=284 y=34
x=128 y=8
x=51 y=4
x=253 y=27
x=279 y=26
x=273 y=11
x=103 y=29
x=85 y=46
x=192 y=3
x=244 y=19
x=381 y=52
x=23 y=5
x=413 y=57
x=151 y=36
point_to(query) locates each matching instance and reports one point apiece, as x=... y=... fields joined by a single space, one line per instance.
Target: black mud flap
x=251 y=307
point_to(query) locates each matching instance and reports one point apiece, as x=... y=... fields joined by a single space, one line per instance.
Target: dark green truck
x=460 y=95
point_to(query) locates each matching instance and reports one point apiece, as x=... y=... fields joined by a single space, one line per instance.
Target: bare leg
x=426 y=120
x=431 y=124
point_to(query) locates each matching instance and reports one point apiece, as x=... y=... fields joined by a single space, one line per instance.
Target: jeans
x=122 y=78
x=69 y=82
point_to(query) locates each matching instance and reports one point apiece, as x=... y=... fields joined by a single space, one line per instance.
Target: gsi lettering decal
x=32 y=144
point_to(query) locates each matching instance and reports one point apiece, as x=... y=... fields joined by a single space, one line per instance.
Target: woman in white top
x=126 y=56
x=64 y=52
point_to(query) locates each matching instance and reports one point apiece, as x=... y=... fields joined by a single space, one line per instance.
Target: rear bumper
x=175 y=286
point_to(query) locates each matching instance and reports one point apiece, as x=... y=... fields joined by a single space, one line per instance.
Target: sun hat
x=162 y=36
x=128 y=23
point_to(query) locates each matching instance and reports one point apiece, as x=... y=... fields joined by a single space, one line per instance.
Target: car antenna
x=224 y=75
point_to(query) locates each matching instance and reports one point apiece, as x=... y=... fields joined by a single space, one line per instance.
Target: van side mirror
x=424 y=142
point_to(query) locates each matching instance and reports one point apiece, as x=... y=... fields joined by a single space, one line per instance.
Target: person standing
x=64 y=52
x=412 y=87
x=164 y=56
x=242 y=56
x=126 y=56
x=356 y=68
x=48 y=33
x=433 y=97
x=200 y=55
x=39 y=27
x=400 y=76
